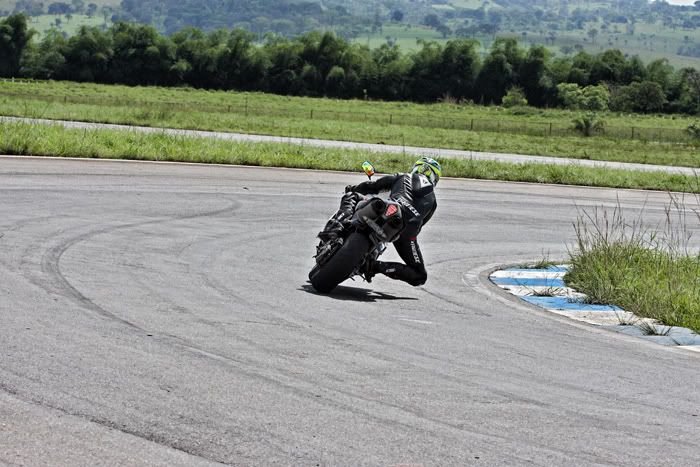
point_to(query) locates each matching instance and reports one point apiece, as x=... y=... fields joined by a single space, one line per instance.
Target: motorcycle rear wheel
x=327 y=277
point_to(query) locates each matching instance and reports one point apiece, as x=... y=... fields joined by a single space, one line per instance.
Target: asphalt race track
x=159 y=314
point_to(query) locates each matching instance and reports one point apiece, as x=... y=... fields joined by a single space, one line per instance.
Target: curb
x=545 y=288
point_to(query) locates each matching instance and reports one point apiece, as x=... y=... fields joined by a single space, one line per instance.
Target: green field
x=43 y=23
x=629 y=138
x=650 y=41
x=54 y=140
x=10 y=4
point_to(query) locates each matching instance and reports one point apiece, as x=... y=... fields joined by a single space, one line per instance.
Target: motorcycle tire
x=327 y=277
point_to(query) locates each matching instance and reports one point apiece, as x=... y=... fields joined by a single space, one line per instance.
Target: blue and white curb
x=546 y=288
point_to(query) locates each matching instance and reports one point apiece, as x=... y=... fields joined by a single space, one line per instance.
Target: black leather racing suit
x=415 y=194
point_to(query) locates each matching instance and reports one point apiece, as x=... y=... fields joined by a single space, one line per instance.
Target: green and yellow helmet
x=428 y=167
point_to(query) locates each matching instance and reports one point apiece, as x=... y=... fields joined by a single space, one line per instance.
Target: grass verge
x=55 y=140
x=494 y=129
x=650 y=272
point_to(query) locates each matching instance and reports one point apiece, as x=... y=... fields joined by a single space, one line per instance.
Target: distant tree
x=15 y=37
x=59 y=8
x=425 y=73
x=432 y=21
x=499 y=71
x=78 y=6
x=91 y=9
x=633 y=70
x=46 y=61
x=335 y=82
x=444 y=30
x=646 y=97
x=686 y=91
x=593 y=33
x=459 y=67
x=607 y=67
x=30 y=7
x=660 y=71
x=87 y=56
x=141 y=55
x=534 y=76
x=566 y=49
x=397 y=15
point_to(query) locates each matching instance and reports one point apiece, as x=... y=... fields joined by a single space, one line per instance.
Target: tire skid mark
x=97 y=420
x=50 y=262
x=382 y=356
x=60 y=249
x=51 y=265
x=436 y=373
x=251 y=372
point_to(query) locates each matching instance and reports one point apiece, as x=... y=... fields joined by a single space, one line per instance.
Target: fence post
x=391 y=119
x=312 y=114
x=632 y=132
x=471 y=127
x=246 y=106
x=550 y=129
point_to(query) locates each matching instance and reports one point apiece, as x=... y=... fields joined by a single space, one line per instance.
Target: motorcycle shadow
x=354 y=294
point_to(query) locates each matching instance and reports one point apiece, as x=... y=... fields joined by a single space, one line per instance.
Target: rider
x=414 y=191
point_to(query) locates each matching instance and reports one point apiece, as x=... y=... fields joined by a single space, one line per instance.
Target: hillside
x=637 y=27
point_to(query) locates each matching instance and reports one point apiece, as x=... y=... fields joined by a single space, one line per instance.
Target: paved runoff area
x=546 y=289
x=159 y=314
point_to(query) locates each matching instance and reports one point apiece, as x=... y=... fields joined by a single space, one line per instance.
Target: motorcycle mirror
x=368 y=168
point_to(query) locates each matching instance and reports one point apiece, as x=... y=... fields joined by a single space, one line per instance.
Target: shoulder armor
x=421 y=185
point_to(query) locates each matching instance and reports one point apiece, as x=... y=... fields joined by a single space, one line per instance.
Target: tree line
x=322 y=64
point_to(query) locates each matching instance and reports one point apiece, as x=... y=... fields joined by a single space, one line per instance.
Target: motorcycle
x=375 y=223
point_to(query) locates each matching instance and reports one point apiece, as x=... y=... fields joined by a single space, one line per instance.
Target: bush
x=593 y=98
x=596 y=98
x=694 y=130
x=515 y=98
x=588 y=124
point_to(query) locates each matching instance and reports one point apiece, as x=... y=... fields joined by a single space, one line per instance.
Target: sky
x=681 y=2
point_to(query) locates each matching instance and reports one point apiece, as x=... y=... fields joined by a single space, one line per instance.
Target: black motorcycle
x=375 y=223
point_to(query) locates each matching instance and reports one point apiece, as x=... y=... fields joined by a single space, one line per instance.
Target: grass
x=43 y=23
x=523 y=131
x=54 y=140
x=646 y=270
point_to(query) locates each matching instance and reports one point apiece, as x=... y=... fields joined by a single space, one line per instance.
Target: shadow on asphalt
x=354 y=294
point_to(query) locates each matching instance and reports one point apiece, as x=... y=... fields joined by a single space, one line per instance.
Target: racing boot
x=336 y=225
x=333 y=229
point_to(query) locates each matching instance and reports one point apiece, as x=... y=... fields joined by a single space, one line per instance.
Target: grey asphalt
x=158 y=314
x=386 y=148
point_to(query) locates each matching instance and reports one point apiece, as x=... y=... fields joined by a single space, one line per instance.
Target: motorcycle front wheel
x=327 y=277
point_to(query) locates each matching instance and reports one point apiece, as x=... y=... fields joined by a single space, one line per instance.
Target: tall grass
x=649 y=270
x=55 y=140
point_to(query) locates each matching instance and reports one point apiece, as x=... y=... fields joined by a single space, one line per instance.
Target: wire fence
x=528 y=127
